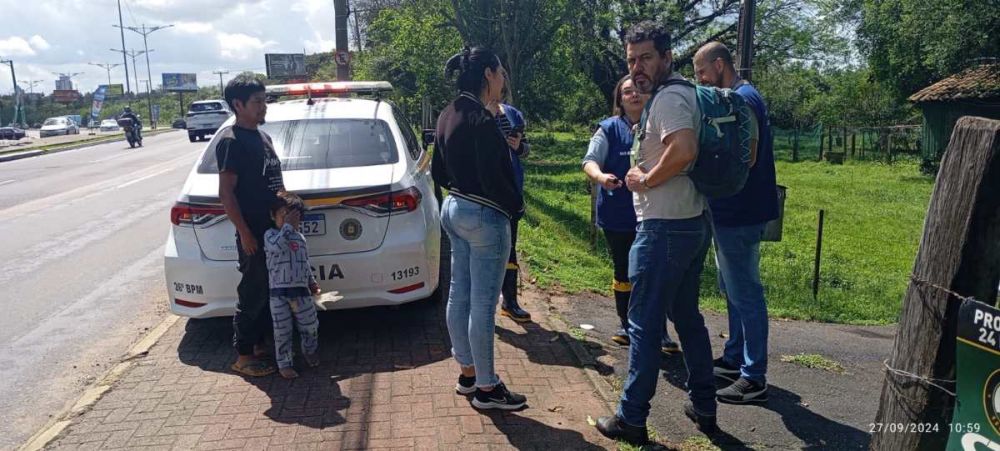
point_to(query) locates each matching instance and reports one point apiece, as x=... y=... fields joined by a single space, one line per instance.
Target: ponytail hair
x=471 y=64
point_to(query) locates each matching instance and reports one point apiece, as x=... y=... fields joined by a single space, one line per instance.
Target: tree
x=912 y=43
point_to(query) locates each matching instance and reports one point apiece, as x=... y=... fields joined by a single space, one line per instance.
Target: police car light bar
x=336 y=87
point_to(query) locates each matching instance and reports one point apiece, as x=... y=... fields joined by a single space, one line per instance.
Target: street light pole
x=149 y=102
x=134 y=54
x=18 y=109
x=145 y=32
x=107 y=67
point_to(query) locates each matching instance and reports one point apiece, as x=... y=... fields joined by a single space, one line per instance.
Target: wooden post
x=593 y=215
x=959 y=252
x=819 y=255
x=829 y=139
x=795 y=146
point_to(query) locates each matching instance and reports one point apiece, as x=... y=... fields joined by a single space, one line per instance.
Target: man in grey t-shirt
x=667 y=258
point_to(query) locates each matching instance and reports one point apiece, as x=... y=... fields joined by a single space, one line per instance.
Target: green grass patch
x=874 y=217
x=815 y=361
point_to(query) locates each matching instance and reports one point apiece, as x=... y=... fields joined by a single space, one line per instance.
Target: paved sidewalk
x=386 y=382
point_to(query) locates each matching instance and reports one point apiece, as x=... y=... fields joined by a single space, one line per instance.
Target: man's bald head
x=713 y=65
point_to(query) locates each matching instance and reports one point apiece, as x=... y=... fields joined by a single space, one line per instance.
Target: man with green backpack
x=691 y=143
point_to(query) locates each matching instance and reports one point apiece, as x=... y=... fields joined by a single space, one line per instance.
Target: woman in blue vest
x=511 y=122
x=606 y=162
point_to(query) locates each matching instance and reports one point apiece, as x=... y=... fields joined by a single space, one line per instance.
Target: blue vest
x=615 y=210
x=757 y=203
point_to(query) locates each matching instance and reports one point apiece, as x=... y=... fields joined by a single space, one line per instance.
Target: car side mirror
x=427 y=137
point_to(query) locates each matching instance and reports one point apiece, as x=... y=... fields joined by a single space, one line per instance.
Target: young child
x=292 y=284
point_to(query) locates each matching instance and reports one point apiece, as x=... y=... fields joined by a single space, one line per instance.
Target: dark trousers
x=619 y=244
x=252 y=321
x=509 y=287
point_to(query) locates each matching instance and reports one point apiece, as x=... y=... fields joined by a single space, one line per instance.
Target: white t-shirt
x=675 y=108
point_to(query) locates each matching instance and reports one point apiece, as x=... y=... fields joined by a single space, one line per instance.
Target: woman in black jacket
x=472 y=161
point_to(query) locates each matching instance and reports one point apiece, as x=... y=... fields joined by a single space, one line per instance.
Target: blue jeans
x=480 y=246
x=665 y=266
x=737 y=254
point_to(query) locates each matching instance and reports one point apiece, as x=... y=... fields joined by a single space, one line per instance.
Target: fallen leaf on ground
x=591 y=421
x=556 y=409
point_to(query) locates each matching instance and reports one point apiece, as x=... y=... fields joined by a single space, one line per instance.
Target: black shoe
x=722 y=368
x=621 y=338
x=669 y=346
x=743 y=391
x=498 y=398
x=615 y=429
x=706 y=423
x=466 y=385
x=516 y=313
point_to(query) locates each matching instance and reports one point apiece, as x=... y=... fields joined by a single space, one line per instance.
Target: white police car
x=373 y=224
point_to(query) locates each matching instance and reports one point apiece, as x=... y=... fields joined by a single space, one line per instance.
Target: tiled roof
x=980 y=83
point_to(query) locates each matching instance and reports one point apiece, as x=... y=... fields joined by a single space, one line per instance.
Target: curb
x=15 y=155
x=92 y=394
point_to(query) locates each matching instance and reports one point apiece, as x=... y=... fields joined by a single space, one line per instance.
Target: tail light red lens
x=396 y=202
x=188 y=214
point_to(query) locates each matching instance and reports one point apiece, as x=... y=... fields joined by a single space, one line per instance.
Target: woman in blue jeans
x=472 y=161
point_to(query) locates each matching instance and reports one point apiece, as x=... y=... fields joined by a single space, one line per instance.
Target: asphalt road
x=82 y=251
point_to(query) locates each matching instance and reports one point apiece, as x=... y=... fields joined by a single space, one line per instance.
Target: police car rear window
x=323 y=144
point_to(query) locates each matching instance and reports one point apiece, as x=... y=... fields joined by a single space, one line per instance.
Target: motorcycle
x=131 y=131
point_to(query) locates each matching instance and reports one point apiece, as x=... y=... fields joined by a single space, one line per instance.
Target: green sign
x=976 y=422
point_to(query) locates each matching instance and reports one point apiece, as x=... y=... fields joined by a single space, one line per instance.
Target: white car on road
x=373 y=224
x=205 y=117
x=55 y=126
x=109 y=125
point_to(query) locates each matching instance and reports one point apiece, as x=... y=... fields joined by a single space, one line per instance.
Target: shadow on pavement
x=528 y=434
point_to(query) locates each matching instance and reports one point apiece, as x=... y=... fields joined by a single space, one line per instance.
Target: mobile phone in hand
x=519 y=130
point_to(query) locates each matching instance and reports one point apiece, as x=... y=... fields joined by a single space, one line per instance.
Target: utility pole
x=18 y=109
x=341 y=11
x=744 y=41
x=134 y=54
x=107 y=67
x=220 y=73
x=128 y=89
x=149 y=102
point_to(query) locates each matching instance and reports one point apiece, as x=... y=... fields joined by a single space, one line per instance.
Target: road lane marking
x=6 y=182
x=144 y=178
x=110 y=158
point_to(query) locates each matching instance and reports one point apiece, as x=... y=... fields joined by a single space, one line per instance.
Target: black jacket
x=471 y=157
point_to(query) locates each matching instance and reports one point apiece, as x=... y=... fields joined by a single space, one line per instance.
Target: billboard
x=285 y=65
x=180 y=82
x=66 y=95
x=115 y=90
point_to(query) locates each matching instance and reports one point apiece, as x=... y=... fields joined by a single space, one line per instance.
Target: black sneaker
x=498 y=398
x=669 y=346
x=615 y=429
x=706 y=423
x=722 y=368
x=743 y=391
x=621 y=338
x=466 y=385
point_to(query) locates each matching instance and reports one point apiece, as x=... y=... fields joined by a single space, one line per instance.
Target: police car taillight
x=403 y=201
x=188 y=214
x=320 y=89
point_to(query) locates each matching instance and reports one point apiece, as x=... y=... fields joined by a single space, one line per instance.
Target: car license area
x=314 y=224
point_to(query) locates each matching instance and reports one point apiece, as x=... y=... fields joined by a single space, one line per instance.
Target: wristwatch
x=642 y=181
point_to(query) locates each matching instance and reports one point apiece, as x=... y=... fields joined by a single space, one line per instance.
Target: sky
x=45 y=38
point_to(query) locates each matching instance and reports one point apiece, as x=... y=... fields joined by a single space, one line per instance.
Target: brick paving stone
x=386 y=382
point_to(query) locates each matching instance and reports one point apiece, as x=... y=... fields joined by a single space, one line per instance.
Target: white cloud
x=239 y=46
x=39 y=43
x=15 y=46
x=194 y=27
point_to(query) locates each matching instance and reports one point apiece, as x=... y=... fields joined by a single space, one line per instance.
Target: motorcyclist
x=127 y=113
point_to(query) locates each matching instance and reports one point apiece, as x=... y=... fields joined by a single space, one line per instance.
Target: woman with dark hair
x=606 y=162
x=472 y=161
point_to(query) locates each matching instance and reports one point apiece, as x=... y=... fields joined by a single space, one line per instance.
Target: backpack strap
x=640 y=133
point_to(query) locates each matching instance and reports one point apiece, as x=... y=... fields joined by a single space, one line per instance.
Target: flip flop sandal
x=254 y=368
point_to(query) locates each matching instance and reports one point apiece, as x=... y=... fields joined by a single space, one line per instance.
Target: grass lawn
x=874 y=217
